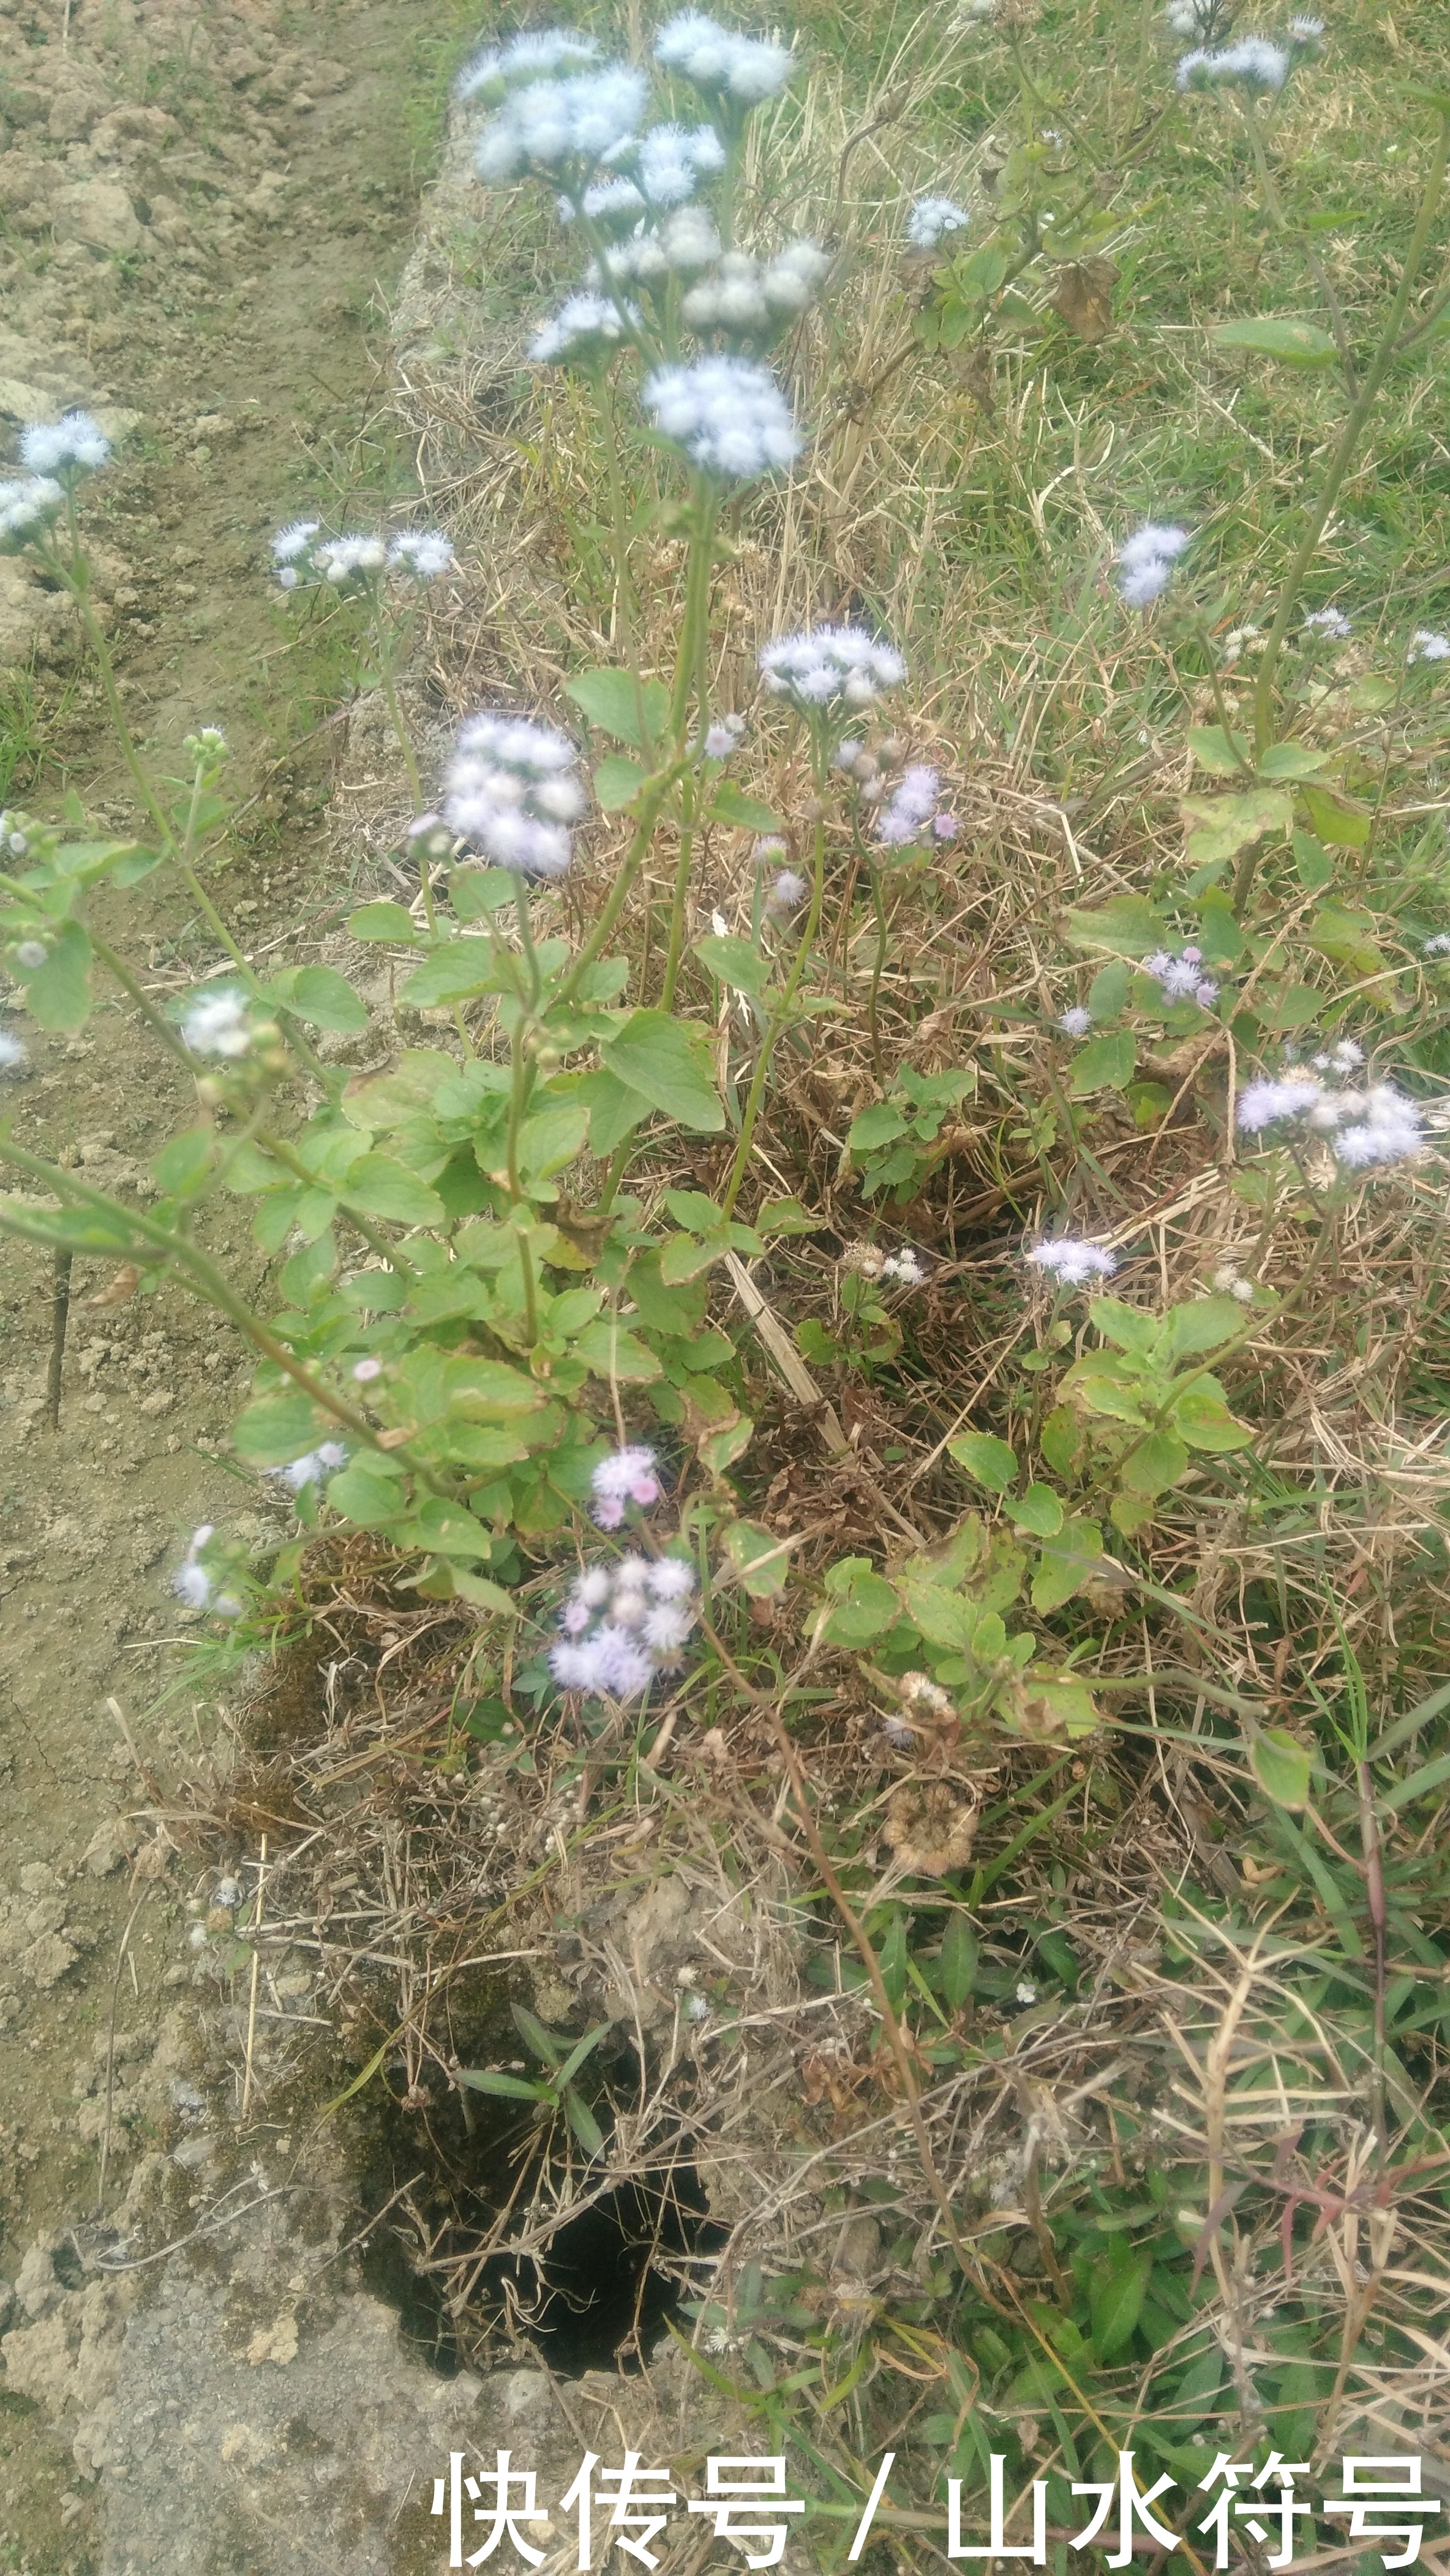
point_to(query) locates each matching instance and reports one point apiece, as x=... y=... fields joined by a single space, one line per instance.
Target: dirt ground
x=201 y=218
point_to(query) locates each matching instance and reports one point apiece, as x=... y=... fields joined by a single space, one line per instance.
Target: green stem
x=650 y=807
x=1339 y=465
x=878 y=968
x=778 y=1019
x=281 y=1152
x=1290 y=232
x=678 y=903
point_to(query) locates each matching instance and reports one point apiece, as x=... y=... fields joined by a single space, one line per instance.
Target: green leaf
x=634 y=711
x=1126 y=1327
x=1336 y=819
x=1200 y=1325
x=959 y=1956
x=1116 y=2301
x=58 y=994
x=1294 y=344
x=610 y=1350
x=454 y=973
x=378 y=1186
x=1129 y=926
x=583 y=2048
x=617 y=783
x=320 y=996
x=364 y=1494
x=880 y=1125
x=1281 y=1766
x=1315 y=866
x=1223 y=825
x=733 y=961
x=865 y=1605
x=1206 y=1423
x=513 y=2088
x=540 y=2042
x=992 y=1462
x=747 y=1545
x=391 y=923
x=742 y=813
x=276 y=1429
x=1039 y=1512
x=1225 y=755
x=1104 y=1064
x=667 y=1061
x=720 y=1449
x=182 y=1167
x=1109 y=989
x=583 y=2123
x=1155 y=1464
x=1066 y=1563
x=785 y=1216
x=614 y=1111
x=478 y=893
x=1291 y=760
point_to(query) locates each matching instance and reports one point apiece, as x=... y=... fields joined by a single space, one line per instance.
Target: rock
x=37 y=1877
x=46 y=1960
x=37 y=2290
x=73 y=112
x=161 y=1402
x=97 y=212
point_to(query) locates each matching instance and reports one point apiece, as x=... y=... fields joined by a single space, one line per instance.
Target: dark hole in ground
x=597 y=2298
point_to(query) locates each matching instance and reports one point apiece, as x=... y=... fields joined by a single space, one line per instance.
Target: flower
x=528 y=58
x=76 y=444
x=28 y=504
x=911 y=807
x=31 y=954
x=1439 y=945
x=930 y=218
x=1181 y=979
x=1381 y=1125
x=685 y=242
x=667 y=164
x=586 y=328
x=1305 y=31
x=728 y=414
x=215 y=1022
x=1391 y=1130
x=931 y=1829
x=825 y=667
x=511 y=793
x=1253 y=61
x=741 y=296
x=1329 y=622
x=622 y=1624
x=1145 y=562
x=739 y=70
x=1076 y=1022
x=565 y=127
x=313 y=1466
x=197 y=1585
x=348 y=558
x=364 y=1371
x=904 y=1266
x=12 y=1053
x=1229 y=1284
x=944 y=827
x=1191 y=17
x=724 y=738
x=789 y=891
x=295 y=540
x=424 y=552
x=1073 y=1263
x=1262 y=1104
x=769 y=848
x=625 y=1476
x=1427 y=646
x=1026 y=1991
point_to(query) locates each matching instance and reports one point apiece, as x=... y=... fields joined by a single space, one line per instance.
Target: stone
x=46 y=1960
x=37 y=2290
x=97 y=212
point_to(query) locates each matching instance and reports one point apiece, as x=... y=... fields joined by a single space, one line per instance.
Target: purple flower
x=626 y=1476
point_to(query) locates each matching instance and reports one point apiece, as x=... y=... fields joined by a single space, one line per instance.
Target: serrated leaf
x=1336 y=819
x=762 y=1565
x=1104 y=1064
x=667 y=1061
x=733 y=961
x=614 y=1110
x=1224 y=755
x=1156 y=1464
x=742 y=813
x=718 y=1450
x=1200 y=1325
x=1205 y=1422
x=1282 y=1767
x=182 y=1167
x=320 y=996
x=1039 y=1512
x=362 y=1493
x=277 y=1429
x=611 y=1350
x=390 y=923
x=617 y=783
x=378 y=1186
x=1066 y=1563
x=1223 y=825
x=454 y=973
x=58 y=994
x=1294 y=344
x=1129 y=926
x=991 y=1461
x=634 y=711
x=1291 y=760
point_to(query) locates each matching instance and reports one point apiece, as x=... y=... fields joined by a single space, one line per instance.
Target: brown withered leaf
x=123 y=1284
x=1083 y=296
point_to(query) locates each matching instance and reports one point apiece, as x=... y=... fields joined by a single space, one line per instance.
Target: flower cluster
x=511 y=792
x=1331 y=623
x=1229 y=1282
x=563 y=128
x=492 y=75
x=586 y=331
x=622 y=1624
x=12 y=1053
x=217 y=1021
x=727 y=414
x=1072 y=1263
x=685 y=242
x=1427 y=646
x=1146 y=561
x=310 y=1469
x=301 y=552
x=913 y=808
x=788 y=891
x=735 y=71
x=199 y=1585
x=28 y=504
x=657 y=170
x=76 y=444
x=1364 y=1128
x=1252 y=63
x=1075 y=1022
x=626 y=1476
x=1182 y=979
x=724 y=738
x=826 y=668
x=745 y=297
x=931 y=219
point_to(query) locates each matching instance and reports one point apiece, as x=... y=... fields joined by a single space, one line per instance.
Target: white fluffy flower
x=291 y=543
x=1190 y=17
x=31 y=954
x=1329 y=622
x=622 y=1624
x=933 y=217
x=348 y=558
x=12 y=1053
x=1427 y=646
x=911 y=807
x=490 y=76
x=424 y=552
x=1076 y=1022
x=310 y=1469
x=511 y=791
x=76 y=444
x=196 y=1585
x=728 y=414
x=626 y=1476
x=788 y=891
x=906 y=1267
x=585 y=329
x=669 y=161
x=823 y=669
x=1262 y=1104
x=27 y=504
x=564 y=127
x=740 y=70
x=1071 y=1262
x=1253 y=62
x=1146 y=560
x=1391 y=1130
x=215 y=1022
x=685 y=242
x=1439 y=945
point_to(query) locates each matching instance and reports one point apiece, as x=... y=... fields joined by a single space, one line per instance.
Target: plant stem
x=59 y=1315
x=778 y=1019
x=1339 y=464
